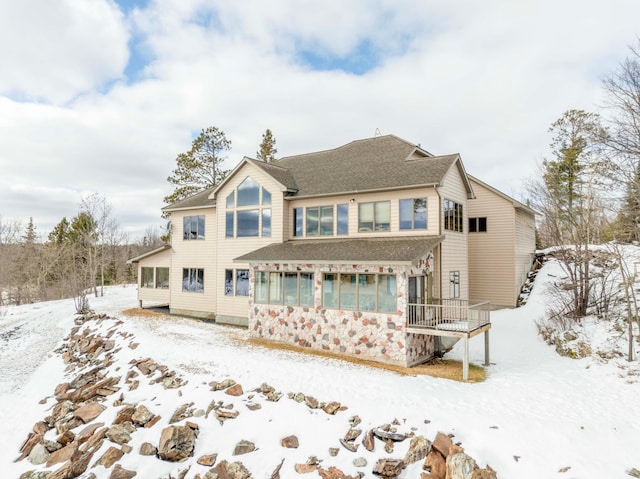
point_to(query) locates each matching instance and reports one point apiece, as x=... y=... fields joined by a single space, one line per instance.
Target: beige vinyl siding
x=154 y=295
x=454 y=250
x=491 y=254
x=525 y=247
x=234 y=309
x=194 y=254
x=393 y=197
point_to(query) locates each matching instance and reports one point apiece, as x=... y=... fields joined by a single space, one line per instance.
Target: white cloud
x=482 y=79
x=54 y=50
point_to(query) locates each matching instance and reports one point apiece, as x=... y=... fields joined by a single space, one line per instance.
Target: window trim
x=453 y=216
x=478 y=224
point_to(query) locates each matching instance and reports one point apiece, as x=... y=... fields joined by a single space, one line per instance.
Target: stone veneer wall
x=370 y=335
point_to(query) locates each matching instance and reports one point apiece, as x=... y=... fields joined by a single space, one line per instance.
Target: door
x=415 y=311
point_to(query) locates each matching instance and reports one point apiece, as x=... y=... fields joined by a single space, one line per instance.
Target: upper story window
x=478 y=225
x=321 y=220
x=193 y=227
x=453 y=216
x=248 y=211
x=374 y=216
x=413 y=214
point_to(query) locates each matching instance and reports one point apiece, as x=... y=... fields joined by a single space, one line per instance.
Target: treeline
x=589 y=193
x=79 y=257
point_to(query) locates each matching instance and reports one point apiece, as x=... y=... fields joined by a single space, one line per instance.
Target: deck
x=453 y=318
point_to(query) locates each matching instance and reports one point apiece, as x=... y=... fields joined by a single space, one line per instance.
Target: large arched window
x=248 y=211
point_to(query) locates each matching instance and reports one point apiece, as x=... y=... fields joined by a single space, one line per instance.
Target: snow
x=536 y=413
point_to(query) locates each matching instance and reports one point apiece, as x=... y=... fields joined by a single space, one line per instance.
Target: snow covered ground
x=536 y=415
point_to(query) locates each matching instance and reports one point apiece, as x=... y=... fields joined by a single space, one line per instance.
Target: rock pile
x=91 y=425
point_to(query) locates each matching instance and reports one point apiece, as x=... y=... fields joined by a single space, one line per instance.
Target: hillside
x=537 y=415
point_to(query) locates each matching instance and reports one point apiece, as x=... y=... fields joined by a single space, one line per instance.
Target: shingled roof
x=394 y=250
x=384 y=162
x=198 y=200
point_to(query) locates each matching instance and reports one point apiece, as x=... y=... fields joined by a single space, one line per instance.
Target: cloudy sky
x=99 y=96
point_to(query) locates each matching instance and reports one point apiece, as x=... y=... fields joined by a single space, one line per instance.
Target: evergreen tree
x=201 y=166
x=268 y=150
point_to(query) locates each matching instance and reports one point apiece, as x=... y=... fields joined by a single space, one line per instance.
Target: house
x=502 y=243
x=362 y=250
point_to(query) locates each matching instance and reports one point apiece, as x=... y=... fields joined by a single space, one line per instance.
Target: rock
x=388 y=467
x=35 y=475
x=89 y=411
x=418 y=450
x=349 y=445
x=368 y=441
x=153 y=422
x=311 y=402
x=219 y=386
x=355 y=420
x=65 y=454
x=442 y=443
x=61 y=391
x=333 y=451
x=235 y=470
x=252 y=406
x=244 y=447
x=147 y=449
x=41 y=428
x=360 y=462
x=142 y=415
x=29 y=444
x=290 y=442
x=332 y=408
x=110 y=457
x=65 y=438
x=226 y=414
x=183 y=412
x=87 y=432
x=65 y=424
x=207 y=460
x=124 y=415
x=299 y=397
x=118 y=434
x=276 y=472
x=235 y=390
x=435 y=463
x=177 y=443
x=61 y=409
x=335 y=473
x=633 y=472
x=126 y=448
x=486 y=473
x=460 y=466
x=39 y=454
x=305 y=468
x=382 y=434
x=352 y=434
x=121 y=473
x=52 y=446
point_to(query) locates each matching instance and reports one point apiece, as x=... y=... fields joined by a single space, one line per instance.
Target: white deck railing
x=449 y=315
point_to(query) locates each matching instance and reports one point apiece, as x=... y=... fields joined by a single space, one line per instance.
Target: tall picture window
x=453 y=216
x=248 y=211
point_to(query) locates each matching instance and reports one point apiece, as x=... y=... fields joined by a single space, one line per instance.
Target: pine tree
x=201 y=166
x=268 y=150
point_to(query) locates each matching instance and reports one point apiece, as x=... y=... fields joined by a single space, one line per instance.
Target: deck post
x=465 y=360
x=486 y=348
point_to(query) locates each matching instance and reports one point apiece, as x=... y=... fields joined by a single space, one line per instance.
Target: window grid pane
x=306 y=289
x=291 y=289
x=330 y=290
x=343 y=219
x=242 y=282
x=313 y=221
x=326 y=221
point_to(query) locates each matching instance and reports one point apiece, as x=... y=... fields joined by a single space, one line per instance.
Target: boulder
x=89 y=411
x=311 y=402
x=389 y=467
x=69 y=452
x=442 y=443
x=486 y=473
x=124 y=415
x=119 y=434
x=290 y=442
x=368 y=441
x=120 y=473
x=207 y=460
x=110 y=457
x=38 y=455
x=177 y=443
x=418 y=450
x=148 y=449
x=235 y=390
x=142 y=415
x=460 y=466
x=435 y=463
x=244 y=447
x=332 y=408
